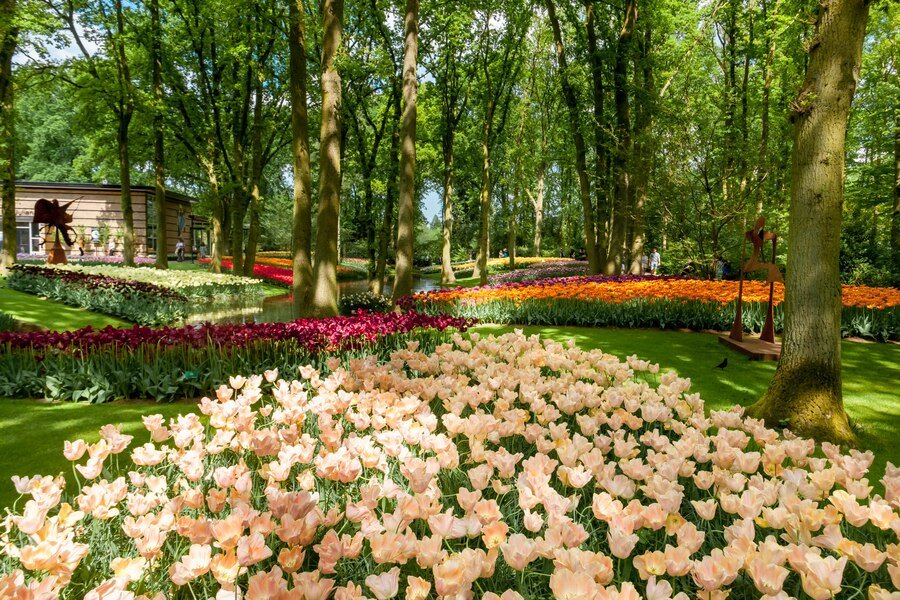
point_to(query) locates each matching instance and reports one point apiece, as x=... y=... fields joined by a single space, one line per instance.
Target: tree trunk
x=159 y=168
x=238 y=214
x=325 y=290
x=447 y=275
x=484 y=246
x=8 y=39
x=376 y=286
x=539 y=208
x=125 y=198
x=217 y=233
x=895 y=217
x=762 y=166
x=301 y=242
x=256 y=168
x=643 y=152
x=805 y=393
x=600 y=154
x=584 y=186
x=406 y=209
x=623 y=143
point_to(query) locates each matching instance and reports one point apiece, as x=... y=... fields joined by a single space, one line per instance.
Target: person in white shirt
x=111 y=246
x=179 y=250
x=654 y=261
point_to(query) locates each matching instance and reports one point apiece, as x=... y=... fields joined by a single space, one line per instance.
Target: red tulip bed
x=492 y=468
x=170 y=362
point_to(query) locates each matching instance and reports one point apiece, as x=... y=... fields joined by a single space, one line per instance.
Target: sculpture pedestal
x=753 y=347
x=56 y=255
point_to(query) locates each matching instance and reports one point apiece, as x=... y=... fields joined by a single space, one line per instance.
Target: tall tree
x=643 y=148
x=301 y=237
x=621 y=157
x=805 y=392
x=9 y=34
x=406 y=209
x=325 y=291
x=584 y=185
x=159 y=163
x=895 y=214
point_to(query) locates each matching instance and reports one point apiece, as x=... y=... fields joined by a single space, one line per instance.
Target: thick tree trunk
x=447 y=275
x=8 y=40
x=805 y=393
x=584 y=186
x=238 y=214
x=601 y=195
x=484 y=245
x=125 y=198
x=406 y=209
x=301 y=239
x=387 y=228
x=621 y=161
x=159 y=163
x=643 y=153
x=216 y=218
x=895 y=217
x=325 y=291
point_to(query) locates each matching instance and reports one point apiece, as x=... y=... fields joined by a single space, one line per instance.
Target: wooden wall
x=93 y=207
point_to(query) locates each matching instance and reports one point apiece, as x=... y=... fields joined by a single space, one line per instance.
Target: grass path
x=51 y=314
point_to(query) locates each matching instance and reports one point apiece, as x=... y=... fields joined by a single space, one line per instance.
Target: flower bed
x=505 y=466
x=169 y=362
x=200 y=285
x=648 y=301
x=547 y=270
x=87 y=259
x=137 y=301
x=280 y=270
x=495 y=265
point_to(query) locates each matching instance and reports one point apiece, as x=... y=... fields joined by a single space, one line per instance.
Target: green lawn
x=51 y=314
x=33 y=432
x=871 y=374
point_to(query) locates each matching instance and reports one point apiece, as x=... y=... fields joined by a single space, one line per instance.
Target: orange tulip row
x=581 y=288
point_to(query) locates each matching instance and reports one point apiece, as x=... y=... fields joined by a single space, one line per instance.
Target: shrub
x=492 y=465
x=136 y=301
x=366 y=301
x=7 y=322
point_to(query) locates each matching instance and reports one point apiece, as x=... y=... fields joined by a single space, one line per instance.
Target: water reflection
x=277 y=309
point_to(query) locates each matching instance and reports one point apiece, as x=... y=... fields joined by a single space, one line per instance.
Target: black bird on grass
x=722 y=364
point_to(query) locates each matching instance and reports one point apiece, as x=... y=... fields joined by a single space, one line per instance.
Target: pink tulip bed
x=497 y=468
x=165 y=363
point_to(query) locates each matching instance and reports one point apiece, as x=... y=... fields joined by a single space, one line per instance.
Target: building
x=97 y=217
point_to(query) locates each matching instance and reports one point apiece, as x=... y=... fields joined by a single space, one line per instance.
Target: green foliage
x=7 y=322
x=143 y=308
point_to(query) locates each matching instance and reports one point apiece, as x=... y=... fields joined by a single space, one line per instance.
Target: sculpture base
x=56 y=255
x=753 y=347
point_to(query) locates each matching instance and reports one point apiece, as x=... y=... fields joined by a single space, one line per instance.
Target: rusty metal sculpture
x=53 y=215
x=758 y=236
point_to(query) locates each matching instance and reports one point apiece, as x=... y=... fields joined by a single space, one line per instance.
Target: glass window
x=151 y=224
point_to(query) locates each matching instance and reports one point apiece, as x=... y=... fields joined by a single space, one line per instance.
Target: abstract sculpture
x=53 y=215
x=758 y=236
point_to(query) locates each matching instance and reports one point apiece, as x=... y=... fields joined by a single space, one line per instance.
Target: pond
x=276 y=309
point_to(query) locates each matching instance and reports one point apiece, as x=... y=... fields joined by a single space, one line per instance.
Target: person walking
x=179 y=250
x=654 y=261
x=111 y=246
